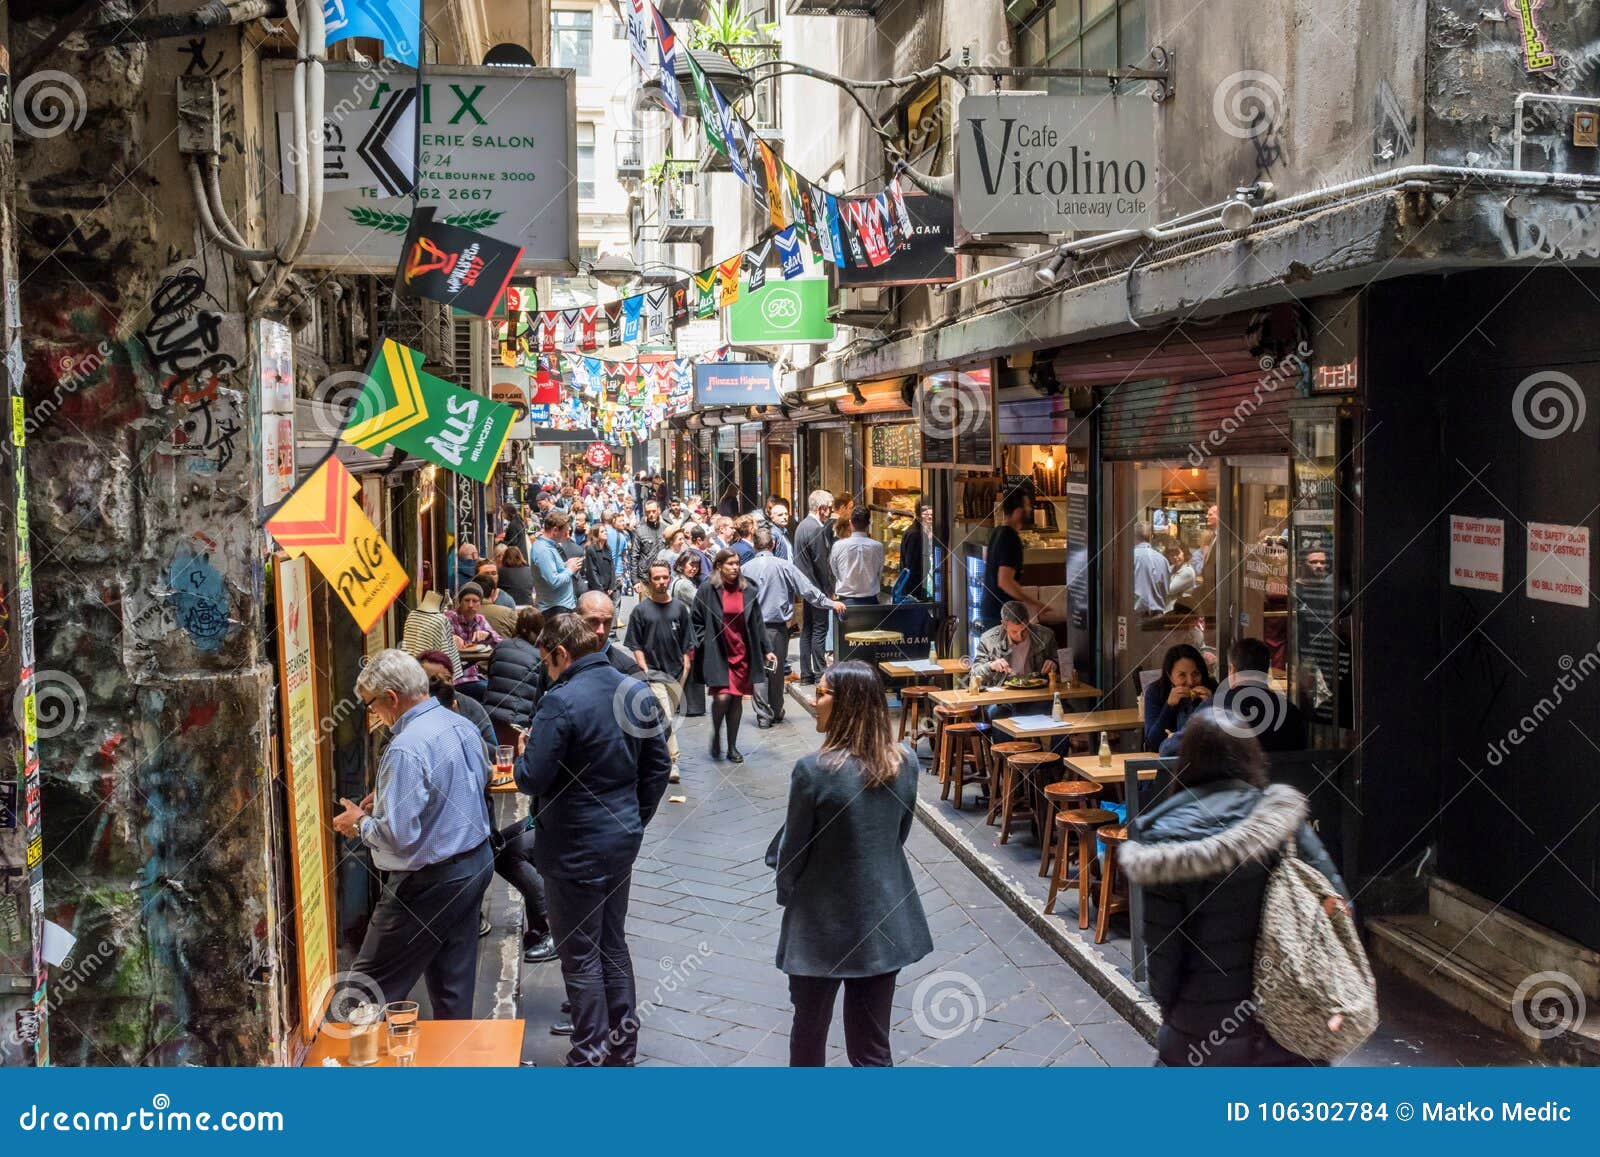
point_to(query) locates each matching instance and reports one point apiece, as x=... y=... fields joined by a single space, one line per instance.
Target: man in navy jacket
x=595 y=762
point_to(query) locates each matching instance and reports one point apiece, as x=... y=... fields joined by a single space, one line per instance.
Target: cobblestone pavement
x=703 y=928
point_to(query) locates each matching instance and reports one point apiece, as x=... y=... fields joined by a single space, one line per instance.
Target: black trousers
x=426 y=926
x=813 y=641
x=587 y=918
x=769 y=686
x=515 y=863
x=867 y=1004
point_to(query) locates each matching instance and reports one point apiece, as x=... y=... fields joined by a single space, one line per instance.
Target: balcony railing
x=685 y=205
x=834 y=7
x=629 y=146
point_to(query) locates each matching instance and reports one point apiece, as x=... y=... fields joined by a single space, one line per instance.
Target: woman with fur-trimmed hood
x=1203 y=855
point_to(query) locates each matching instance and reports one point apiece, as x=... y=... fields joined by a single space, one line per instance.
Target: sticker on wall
x=1477 y=552
x=1558 y=563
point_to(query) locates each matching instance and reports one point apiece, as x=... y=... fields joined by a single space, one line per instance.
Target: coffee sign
x=1034 y=163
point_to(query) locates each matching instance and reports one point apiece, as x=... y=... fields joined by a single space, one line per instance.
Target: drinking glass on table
x=503 y=756
x=403 y=1043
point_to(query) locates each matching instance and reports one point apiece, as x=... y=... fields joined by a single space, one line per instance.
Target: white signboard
x=1558 y=563
x=1035 y=163
x=499 y=155
x=510 y=385
x=1477 y=552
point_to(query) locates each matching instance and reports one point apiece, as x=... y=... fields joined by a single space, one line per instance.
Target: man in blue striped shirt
x=427 y=826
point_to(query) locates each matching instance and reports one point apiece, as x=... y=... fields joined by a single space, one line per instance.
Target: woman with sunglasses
x=851 y=914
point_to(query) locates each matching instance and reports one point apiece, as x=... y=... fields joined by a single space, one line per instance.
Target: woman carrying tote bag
x=851 y=914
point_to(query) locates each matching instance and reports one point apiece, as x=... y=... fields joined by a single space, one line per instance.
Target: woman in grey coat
x=851 y=911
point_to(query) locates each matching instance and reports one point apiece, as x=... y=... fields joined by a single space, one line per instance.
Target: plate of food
x=1025 y=683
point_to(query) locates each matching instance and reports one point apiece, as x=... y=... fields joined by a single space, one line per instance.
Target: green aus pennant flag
x=708 y=107
x=410 y=409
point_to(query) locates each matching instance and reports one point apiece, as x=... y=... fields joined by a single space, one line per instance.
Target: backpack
x=1310 y=968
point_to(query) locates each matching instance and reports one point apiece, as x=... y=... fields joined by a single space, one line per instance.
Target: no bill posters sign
x=499 y=156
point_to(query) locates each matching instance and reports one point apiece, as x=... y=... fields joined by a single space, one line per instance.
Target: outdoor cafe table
x=1088 y=767
x=991 y=697
x=1079 y=723
x=468 y=1044
x=916 y=668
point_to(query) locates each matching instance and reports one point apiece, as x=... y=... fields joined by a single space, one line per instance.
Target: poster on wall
x=1477 y=552
x=498 y=154
x=301 y=744
x=1558 y=563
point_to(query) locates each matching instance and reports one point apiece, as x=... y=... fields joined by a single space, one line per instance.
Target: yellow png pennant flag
x=728 y=273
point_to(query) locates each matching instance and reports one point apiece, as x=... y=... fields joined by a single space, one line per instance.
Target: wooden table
x=509 y=787
x=964 y=698
x=1088 y=767
x=468 y=1044
x=1079 y=723
x=947 y=669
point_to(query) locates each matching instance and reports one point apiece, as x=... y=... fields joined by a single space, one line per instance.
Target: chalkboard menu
x=895 y=446
x=1317 y=650
x=955 y=412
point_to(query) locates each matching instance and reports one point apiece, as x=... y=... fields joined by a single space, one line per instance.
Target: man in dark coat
x=813 y=541
x=595 y=785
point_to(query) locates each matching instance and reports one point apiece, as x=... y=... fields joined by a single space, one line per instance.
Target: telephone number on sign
x=1329 y=1111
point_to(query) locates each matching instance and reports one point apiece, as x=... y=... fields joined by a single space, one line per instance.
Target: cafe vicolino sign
x=1033 y=163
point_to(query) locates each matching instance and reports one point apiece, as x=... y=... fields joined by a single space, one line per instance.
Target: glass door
x=1258 y=590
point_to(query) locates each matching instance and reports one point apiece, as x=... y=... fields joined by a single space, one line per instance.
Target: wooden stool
x=913 y=700
x=1112 y=898
x=1024 y=771
x=941 y=746
x=965 y=741
x=1069 y=793
x=1000 y=773
x=1078 y=822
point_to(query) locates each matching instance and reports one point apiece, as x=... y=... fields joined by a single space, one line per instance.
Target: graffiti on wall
x=1394 y=133
x=190 y=340
x=206 y=432
x=1560 y=230
x=199 y=599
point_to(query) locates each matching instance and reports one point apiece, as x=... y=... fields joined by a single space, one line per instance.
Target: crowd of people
x=521 y=655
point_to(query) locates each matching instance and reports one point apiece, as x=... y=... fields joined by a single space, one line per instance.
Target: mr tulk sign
x=1031 y=163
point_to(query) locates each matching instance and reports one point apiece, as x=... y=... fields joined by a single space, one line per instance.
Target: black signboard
x=926 y=261
x=455 y=266
x=735 y=384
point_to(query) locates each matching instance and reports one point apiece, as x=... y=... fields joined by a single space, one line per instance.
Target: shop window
x=572 y=40
x=1098 y=34
x=586 y=162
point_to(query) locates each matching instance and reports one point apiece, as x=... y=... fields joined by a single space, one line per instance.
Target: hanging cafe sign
x=1032 y=163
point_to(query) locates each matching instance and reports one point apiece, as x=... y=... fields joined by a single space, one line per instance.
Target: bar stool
x=1078 y=822
x=1112 y=897
x=913 y=704
x=941 y=746
x=1069 y=793
x=966 y=741
x=1000 y=772
x=1024 y=772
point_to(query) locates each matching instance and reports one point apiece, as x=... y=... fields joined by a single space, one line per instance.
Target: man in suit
x=595 y=784
x=813 y=541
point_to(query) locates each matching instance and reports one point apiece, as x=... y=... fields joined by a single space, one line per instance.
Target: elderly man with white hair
x=427 y=826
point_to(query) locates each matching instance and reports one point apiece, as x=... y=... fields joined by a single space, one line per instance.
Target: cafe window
x=893 y=489
x=586 y=162
x=1096 y=34
x=572 y=40
x=955 y=411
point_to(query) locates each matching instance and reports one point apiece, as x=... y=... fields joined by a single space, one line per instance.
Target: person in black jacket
x=595 y=785
x=599 y=572
x=732 y=645
x=813 y=543
x=1202 y=856
x=851 y=914
x=916 y=550
x=516 y=533
x=516 y=576
x=1184 y=687
x=515 y=672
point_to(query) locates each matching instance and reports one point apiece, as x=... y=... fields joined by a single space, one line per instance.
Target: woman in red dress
x=732 y=637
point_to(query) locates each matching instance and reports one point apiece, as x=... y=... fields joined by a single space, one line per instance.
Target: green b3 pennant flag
x=427 y=416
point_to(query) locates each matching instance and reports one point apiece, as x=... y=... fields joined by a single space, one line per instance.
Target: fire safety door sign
x=1558 y=563
x=1477 y=552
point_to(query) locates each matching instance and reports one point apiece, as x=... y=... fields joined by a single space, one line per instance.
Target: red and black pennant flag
x=455 y=266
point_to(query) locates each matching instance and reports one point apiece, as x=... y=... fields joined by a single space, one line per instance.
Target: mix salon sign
x=498 y=154
x=1042 y=164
